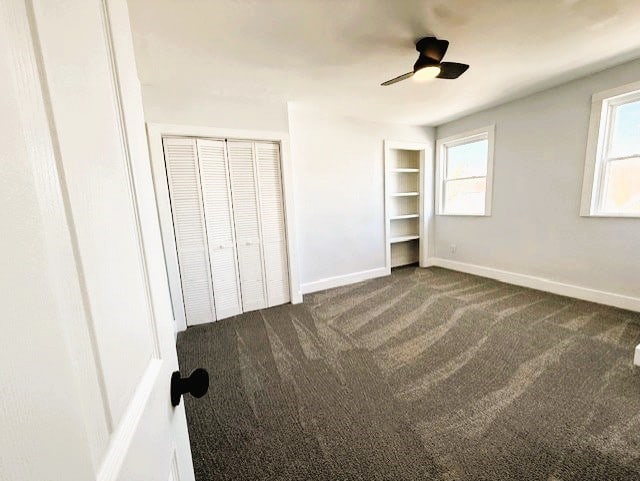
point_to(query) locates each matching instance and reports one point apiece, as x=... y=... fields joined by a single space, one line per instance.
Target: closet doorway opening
x=408 y=185
x=225 y=205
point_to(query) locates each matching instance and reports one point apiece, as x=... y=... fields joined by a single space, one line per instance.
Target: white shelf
x=403 y=238
x=404 y=194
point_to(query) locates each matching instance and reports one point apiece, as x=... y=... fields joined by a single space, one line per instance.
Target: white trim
x=459 y=139
x=615 y=92
x=122 y=437
x=163 y=205
x=598 y=140
x=343 y=280
x=543 y=284
x=636 y=356
x=289 y=217
x=126 y=145
x=594 y=141
x=156 y=129
x=155 y=132
x=425 y=212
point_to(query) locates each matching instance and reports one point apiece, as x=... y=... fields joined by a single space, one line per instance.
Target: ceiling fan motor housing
x=429 y=64
x=432 y=48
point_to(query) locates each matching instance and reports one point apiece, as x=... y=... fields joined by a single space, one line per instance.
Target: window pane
x=467 y=160
x=625 y=139
x=464 y=196
x=622 y=187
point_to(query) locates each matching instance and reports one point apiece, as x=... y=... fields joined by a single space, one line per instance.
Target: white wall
x=339 y=191
x=535 y=227
x=232 y=112
x=338 y=173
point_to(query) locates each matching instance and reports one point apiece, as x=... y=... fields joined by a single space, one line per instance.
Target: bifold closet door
x=244 y=192
x=183 y=176
x=274 y=239
x=216 y=199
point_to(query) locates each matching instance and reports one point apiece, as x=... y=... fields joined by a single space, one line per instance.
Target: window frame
x=483 y=133
x=601 y=127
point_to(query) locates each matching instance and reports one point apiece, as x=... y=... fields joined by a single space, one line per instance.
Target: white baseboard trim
x=542 y=284
x=343 y=280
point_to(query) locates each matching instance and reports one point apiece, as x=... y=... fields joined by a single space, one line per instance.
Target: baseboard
x=343 y=280
x=542 y=284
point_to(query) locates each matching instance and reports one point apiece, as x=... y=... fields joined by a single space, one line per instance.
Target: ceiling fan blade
x=452 y=70
x=432 y=47
x=398 y=79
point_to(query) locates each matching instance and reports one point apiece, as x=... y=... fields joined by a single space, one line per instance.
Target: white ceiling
x=335 y=53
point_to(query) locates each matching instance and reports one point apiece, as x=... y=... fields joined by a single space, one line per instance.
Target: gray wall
x=535 y=227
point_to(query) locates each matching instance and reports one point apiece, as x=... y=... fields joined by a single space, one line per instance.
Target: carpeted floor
x=426 y=374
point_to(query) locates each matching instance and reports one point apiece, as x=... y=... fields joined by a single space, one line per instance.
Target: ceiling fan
x=429 y=64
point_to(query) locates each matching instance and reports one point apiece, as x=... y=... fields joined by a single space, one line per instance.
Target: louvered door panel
x=216 y=196
x=247 y=225
x=189 y=227
x=272 y=218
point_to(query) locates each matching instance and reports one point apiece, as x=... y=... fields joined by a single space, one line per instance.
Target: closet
x=403 y=203
x=229 y=226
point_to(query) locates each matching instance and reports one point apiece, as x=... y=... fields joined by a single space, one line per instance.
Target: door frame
x=155 y=132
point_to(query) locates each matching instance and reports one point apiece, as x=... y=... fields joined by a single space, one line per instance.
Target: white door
x=88 y=346
x=216 y=200
x=183 y=176
x=246 y=210
x=274 y=238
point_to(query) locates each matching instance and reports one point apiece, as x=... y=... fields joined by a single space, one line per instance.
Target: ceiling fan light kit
x=426 y=68
x=429 y=64
x=426 y=73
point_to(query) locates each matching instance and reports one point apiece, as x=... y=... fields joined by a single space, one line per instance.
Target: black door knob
x=197 y=385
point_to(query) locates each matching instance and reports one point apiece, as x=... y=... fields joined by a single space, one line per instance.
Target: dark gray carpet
x=426 y=374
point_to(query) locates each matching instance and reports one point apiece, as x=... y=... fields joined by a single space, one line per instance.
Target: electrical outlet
x=453 y=248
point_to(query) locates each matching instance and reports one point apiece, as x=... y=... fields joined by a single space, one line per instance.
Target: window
x=464 y=172
x=612 y=168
